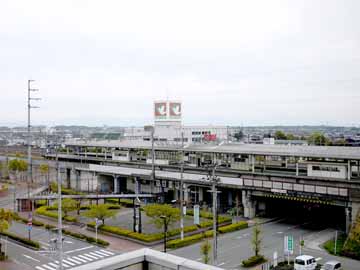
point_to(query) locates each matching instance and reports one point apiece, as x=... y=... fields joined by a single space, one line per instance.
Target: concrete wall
x=327 y=170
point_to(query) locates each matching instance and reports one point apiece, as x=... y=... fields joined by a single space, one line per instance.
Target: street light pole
x=181 y=188
x=165 y=231
x=59 y=214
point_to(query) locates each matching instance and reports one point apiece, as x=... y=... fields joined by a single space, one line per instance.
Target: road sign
x=288 y=245
x=196 y=214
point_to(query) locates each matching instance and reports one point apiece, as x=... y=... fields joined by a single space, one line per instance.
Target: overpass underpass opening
x=311 y=212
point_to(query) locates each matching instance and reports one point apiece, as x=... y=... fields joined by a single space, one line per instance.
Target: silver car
x=332 y=265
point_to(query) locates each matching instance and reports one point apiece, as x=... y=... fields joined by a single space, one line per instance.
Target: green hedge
x=44 y=211
x=233 y=227
x=253 y=261
x=23 y=240
x=123 y=202
x=209 y=215
x=25 y=220
x=177 y=243
x=81 y=236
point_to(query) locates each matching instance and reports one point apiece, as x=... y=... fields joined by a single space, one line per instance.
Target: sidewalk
x=115 y=243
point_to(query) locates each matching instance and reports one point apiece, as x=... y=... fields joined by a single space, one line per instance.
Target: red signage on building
x=210 y=137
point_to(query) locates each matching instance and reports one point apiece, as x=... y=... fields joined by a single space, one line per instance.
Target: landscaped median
x=24 y=241
x=48 y=211
x=189 y=240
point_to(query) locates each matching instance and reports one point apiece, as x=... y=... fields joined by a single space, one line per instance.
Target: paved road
x=76 y=252
x=235 y=247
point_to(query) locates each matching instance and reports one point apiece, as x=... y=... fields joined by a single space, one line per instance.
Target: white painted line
x=279 y=232
x=318 y=259
x=48 y=267
x=101 y=253
x=198 y=259
x=68 y=242
x=85 y=258
x=31 y=258
x=79 y=259
x=239 y=237
x=221 y=264
x=73 y=260
x=65 y=265
x=90 y=256
x=108 y=252
x=39 y=268
x=79 y=249
x=53 y=264
x=45 y=244
x=67 y=262
x=98 y=255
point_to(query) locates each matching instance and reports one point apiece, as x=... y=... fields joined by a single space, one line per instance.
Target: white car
x=331 y=265
x=305 y=262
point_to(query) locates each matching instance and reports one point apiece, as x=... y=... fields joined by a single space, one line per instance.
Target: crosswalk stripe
x=67 y=262
x=65 y=265
x=48 y=267
x=90 y=256
x=101 y=253
x=79 y=259
x=96 y=255
x=108 y=252
x=73 y=260
x=85 y=258
x=39 y=268
x=53 y=264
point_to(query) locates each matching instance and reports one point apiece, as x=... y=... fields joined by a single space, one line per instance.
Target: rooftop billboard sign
x=167 y=110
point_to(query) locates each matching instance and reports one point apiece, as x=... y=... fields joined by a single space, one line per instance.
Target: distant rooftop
x=338 y=152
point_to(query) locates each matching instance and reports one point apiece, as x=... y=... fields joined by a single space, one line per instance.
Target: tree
x=17 y=165
x=317 y=138
x=162 y=214
x=256 y=239
x=205 y=249
x=100 y=211
x=67 y=205
x=6 y=217
x=280 y=135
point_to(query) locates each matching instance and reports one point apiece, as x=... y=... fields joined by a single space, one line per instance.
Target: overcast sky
x=229 y=62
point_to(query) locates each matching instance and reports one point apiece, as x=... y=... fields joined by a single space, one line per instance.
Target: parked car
x=305 y=262
x=332 y=265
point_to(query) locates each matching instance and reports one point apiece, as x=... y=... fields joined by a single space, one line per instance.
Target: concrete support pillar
x=349 y=170
x=201 y=194
x=249 y=205
x=286 y=162
x=78 y=180
x=186 y=194
x=230 y=198
x=252 y=158
x=348 y=216
x=297 y=168
x=116 y=185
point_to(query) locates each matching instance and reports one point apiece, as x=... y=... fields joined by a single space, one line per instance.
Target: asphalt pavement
x=75 y=252
x=234 y=247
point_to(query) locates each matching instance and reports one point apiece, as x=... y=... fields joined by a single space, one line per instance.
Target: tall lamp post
x=214 y=180
x=165 y=230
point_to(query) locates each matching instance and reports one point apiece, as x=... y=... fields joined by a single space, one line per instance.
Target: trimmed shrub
x=189 y=240
x=44 y=211
x=22 y=240
x=233 y=227
x=123 y=202
x=253 y=261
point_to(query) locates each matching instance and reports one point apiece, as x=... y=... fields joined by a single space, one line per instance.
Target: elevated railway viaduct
x=273 y=179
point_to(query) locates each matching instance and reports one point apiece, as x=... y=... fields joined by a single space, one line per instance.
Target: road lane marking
x=53 y=264
x=39 y=268
x=31 y=258
x=198 y=259
x=90 y=256
x=221 y=264
x=97 y=255
x=48 y=267
x=318 y=259
x=108 y=252
x=79 y=249
x=67 y=262
x=85 y=258
x=65 y=265
x=73 y=260
x=79 y=259
x=101 y=253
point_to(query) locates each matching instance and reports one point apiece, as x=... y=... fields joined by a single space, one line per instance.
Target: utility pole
x=59 y=212
x=29 y=139
x=214 y=192
x=181 y=188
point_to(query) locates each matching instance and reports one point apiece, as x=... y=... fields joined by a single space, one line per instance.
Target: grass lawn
x=330 y=245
